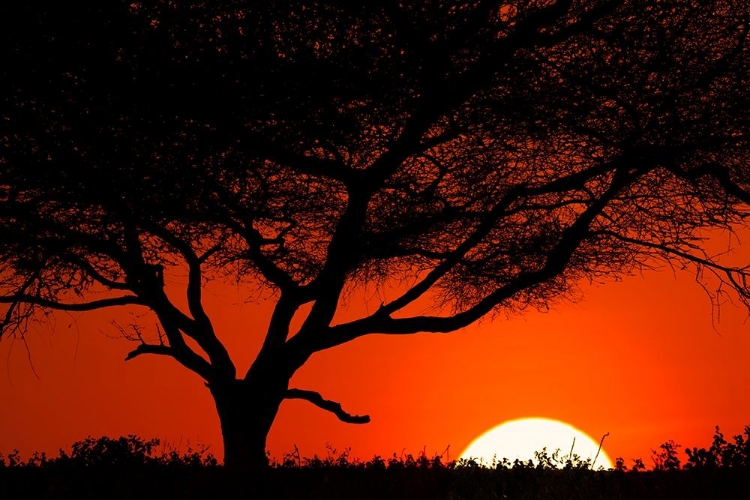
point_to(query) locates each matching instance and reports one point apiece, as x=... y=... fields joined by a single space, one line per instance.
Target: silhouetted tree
x=485 y=156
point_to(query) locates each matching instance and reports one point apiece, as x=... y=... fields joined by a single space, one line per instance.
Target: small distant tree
x=480 y=156
x=667 y=458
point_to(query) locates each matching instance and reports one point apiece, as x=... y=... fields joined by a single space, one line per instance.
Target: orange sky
x=639 y=359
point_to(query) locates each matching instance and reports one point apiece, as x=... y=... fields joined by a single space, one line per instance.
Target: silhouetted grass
x=133 y=468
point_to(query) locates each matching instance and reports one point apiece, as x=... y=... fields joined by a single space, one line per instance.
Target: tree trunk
x=246 y=413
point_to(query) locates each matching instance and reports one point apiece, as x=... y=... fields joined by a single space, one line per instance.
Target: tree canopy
x=485 y=156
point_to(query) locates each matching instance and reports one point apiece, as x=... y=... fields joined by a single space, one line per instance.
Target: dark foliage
x=128 y=468
x=124 y=452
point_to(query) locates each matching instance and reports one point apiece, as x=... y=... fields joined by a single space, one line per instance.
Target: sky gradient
x=646 y=359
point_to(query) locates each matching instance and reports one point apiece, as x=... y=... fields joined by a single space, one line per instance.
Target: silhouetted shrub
x=130 y=451
x=130 y=468
x=667 y=458
x=721 y=453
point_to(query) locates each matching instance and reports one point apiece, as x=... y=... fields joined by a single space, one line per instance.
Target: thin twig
x=599 y=450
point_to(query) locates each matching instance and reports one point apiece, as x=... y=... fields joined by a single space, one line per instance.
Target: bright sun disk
x=519 y=439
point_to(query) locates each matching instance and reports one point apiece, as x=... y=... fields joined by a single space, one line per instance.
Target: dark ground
x=352 y=483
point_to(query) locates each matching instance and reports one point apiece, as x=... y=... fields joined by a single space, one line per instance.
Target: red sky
x=641 y=359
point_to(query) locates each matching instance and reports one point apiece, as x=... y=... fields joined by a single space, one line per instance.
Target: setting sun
x=520 y=439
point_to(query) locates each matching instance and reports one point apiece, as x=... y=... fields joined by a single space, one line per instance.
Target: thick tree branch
x=343 y=253
x=180 y=351
x=266 y=266
x=183 y=355
x=332 y=406
x=169 y=314
x=278 y=328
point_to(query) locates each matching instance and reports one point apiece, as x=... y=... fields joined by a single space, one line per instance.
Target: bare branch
x=150 y=349
x=270 y=271
x=82 y=306
x=305 y=164
x=210 y=252
x=180 y=351
x=718 y=172
x=89 y=268
x=332 y=406
x=736 y=276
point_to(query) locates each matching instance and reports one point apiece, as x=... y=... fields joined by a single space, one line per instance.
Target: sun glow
x=520 y=439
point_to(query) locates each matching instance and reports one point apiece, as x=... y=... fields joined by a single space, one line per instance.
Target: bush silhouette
x=105 y=452
x=132 y=467
x=721 y=453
